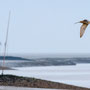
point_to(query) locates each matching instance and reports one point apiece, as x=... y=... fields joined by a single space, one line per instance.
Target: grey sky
x=45 y=26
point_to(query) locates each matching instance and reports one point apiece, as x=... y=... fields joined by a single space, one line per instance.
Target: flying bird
x=83 y=27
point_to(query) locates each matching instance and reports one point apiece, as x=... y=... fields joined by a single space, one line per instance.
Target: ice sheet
x=78 y=75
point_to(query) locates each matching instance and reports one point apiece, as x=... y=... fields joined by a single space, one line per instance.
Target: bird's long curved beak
x=77 y=22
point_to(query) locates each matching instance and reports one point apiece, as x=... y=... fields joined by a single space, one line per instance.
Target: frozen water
x=23 y=88
x=78 y=75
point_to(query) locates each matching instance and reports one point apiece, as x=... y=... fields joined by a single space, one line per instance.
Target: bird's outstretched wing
x=82 y=29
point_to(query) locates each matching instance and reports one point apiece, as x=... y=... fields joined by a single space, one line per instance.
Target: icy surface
x=23 y=88
x=78 y=75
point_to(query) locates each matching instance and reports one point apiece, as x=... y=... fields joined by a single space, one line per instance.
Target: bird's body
x=83 y=27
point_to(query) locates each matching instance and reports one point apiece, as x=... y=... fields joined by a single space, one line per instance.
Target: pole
x=5 y=45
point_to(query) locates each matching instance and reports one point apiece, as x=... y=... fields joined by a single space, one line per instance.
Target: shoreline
x=18 y=81
x=6 y=68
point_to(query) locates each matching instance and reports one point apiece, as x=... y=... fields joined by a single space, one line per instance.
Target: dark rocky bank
x=12 y=58
x=13 y=61
x=11 y=80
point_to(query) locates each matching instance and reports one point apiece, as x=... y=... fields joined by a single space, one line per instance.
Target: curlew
x=83 y=27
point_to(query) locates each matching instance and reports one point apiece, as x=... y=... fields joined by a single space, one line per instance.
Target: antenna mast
x=5 y=44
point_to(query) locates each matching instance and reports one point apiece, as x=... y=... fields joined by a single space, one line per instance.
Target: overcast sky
x=45 y=26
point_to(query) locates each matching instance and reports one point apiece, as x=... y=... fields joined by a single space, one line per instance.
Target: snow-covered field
x=23 y=88
x=78 y=75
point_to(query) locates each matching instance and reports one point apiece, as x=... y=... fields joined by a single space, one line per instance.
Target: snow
x=23 y=88
x=78 y=75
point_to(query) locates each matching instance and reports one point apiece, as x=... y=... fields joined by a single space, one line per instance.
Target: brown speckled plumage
x=83 y=27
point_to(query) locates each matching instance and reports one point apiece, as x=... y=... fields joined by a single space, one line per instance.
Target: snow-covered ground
x=78 y=75
x=23 y=88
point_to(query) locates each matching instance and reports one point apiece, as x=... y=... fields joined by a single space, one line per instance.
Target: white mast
x=5 y=45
